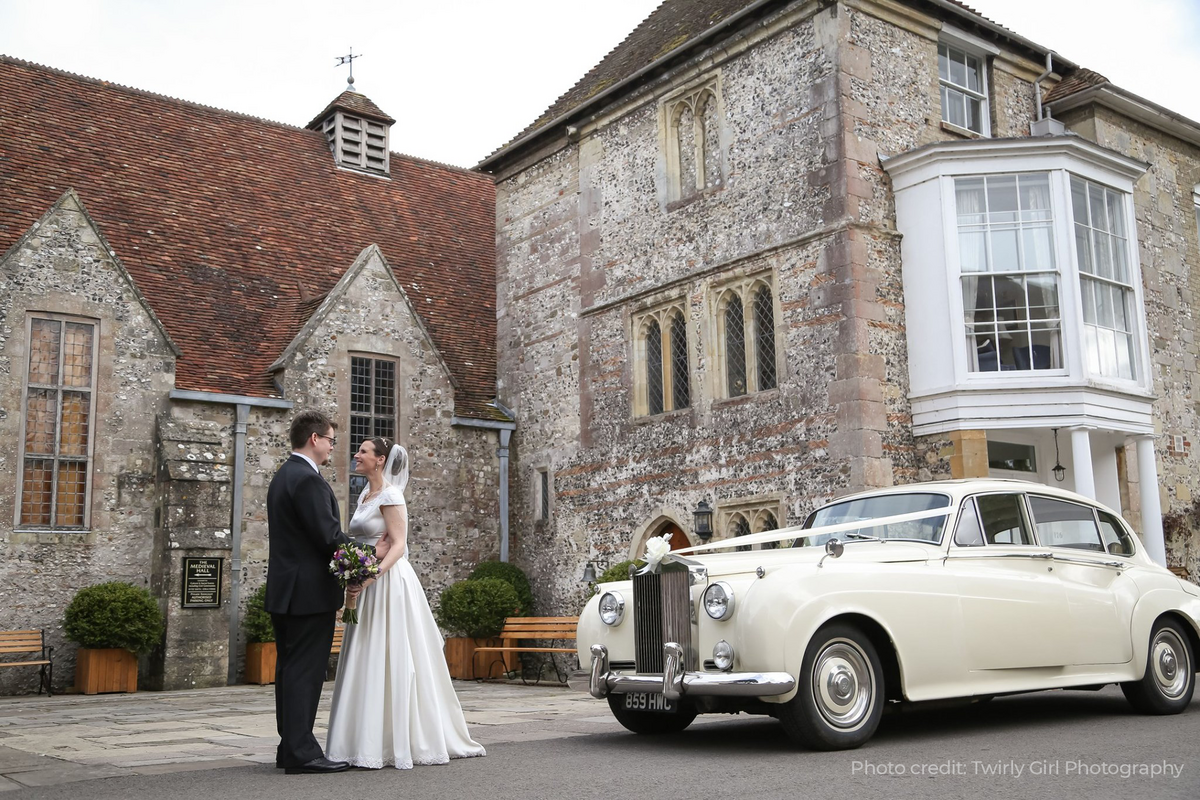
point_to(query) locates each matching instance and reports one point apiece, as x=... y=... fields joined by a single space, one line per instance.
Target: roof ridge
x=145 y=92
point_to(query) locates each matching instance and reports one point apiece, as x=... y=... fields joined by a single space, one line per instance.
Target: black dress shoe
x=320 y=764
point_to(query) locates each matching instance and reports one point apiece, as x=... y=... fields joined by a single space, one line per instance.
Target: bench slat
x=22 y=663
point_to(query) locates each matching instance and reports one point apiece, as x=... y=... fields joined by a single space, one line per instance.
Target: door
x=1014 y=609
x=1099 y=595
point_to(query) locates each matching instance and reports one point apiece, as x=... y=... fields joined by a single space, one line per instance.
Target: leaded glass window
x=680 y=380
x=735 y=348
x=654 y=368
x=764 y=338
x=739 y=526
x=59 y=394
x=372 y=410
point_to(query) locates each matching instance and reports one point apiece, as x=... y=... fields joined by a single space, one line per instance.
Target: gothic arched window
x=660 y=354
x=654 y=368
x=693 y=128
x=746 y=337
x=764 y=338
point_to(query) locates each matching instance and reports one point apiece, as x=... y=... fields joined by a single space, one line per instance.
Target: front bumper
x=675 y=682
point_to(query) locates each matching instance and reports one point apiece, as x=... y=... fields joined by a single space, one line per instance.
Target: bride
x=393 y=703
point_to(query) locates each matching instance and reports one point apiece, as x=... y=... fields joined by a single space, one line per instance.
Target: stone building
x=768 y=252
x=175 y=282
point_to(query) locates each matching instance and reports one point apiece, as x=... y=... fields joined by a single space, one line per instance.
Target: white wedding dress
x=393 y=702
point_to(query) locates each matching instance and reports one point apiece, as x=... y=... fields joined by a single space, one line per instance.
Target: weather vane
x=348 y=60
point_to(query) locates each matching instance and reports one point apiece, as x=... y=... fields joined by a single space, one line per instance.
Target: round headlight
x=718 y=600
x=612 y=608
x=723 y=655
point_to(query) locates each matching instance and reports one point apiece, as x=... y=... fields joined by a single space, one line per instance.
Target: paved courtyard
x=47 y=741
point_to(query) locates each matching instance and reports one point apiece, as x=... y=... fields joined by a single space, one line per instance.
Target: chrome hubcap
x=843 y=684
x=1168 y=659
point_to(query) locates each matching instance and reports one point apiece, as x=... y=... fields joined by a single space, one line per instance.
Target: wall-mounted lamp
x=702 y=517
x=1060 y=472
x=589 y=573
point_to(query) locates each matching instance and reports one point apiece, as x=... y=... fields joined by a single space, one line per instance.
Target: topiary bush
x=514 y=576
x=257 y=622
x=112 y=615
x=477 y=608
x=618 y=571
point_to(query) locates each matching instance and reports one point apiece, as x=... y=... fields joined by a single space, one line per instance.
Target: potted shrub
x=511 y=574
x=112 y=623
x=260 y=639
x=476 y=610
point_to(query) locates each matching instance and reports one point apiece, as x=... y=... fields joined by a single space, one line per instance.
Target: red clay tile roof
x=221 y=218
x=1077 y=81
x=355 y=103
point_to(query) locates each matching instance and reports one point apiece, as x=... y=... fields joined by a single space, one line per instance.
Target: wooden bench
x=532 y=629
x=338 y=632
x=29 y=643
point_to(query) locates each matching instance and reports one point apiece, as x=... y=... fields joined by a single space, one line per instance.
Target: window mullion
x=665 y=354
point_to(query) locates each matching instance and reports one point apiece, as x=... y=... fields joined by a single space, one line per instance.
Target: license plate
x=648 y=701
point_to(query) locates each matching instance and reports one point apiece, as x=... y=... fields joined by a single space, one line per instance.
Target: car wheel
x=1170 y=677
x=651 y=722
x=840 y=697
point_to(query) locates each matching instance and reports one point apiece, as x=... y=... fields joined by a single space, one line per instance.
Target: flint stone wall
x=63 y=266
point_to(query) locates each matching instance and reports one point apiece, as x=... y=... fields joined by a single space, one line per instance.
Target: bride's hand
x=382 y=547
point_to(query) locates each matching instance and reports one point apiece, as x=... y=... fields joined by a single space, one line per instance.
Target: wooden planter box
x=101 y=671
x=463 y=664
x=260 y=663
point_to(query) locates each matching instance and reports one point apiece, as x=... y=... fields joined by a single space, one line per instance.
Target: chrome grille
x=662 y=612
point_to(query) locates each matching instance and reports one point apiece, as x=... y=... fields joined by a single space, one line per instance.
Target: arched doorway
x=675 y=535
x=662 y=524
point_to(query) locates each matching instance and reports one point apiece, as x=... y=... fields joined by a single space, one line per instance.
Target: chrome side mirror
x=833 y=549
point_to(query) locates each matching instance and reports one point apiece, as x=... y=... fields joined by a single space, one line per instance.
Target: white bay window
x=1021 y=284
x=1009 y=276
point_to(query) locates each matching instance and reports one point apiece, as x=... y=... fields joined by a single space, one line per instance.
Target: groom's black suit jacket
x=304 y=528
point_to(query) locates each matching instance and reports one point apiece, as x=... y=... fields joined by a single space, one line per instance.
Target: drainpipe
x=235 y=561
x=505 y=436
x=505 y=430
x=1037 y=83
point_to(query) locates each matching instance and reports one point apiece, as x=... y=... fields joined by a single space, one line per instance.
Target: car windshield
x=866 y=509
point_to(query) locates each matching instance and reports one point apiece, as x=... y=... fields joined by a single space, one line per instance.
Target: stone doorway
x=675 y=535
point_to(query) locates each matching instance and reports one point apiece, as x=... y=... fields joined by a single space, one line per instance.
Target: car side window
x=1116 y=539
x=1063 y=524
x=1002 y=519
x=968 y=532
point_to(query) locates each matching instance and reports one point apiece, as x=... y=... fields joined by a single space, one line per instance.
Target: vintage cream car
x=954 y=589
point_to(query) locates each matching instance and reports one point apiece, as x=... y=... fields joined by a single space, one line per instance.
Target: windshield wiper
x=863 y=537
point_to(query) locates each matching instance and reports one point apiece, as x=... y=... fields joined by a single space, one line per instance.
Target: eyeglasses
x=332 y=439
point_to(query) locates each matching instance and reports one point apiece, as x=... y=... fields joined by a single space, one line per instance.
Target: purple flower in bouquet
x=352 y=565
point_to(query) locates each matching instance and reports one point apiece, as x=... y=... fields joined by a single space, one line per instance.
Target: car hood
x=855 y=552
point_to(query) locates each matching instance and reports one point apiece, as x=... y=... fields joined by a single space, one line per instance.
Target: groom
x=302 y=595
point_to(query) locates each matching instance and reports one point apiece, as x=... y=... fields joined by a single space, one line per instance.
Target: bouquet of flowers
x=353 y=564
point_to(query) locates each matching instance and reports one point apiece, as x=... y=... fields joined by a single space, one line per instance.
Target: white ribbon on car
x=796 y=532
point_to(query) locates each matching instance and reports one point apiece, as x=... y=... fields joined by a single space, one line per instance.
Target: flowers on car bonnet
x=656 y=548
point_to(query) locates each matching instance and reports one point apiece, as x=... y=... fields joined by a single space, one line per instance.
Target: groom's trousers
x=302 y=645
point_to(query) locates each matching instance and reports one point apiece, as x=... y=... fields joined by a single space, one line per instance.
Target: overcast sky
x=461 y=77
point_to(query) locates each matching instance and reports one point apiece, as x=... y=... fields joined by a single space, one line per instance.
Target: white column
x=1152 y=529
x=1081 y=463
